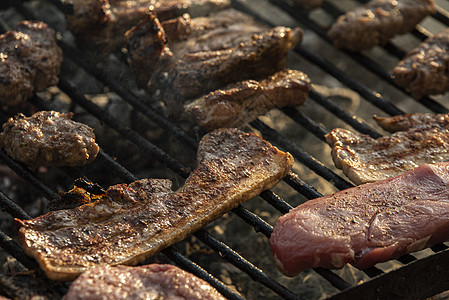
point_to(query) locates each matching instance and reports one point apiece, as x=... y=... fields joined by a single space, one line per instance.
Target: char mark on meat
x=243 y=102
x=30 y=60
x=206 y=53
x=49 y=138
x=418 y=139
x=155 y=281
x=100 y=24
x=132 y=222
x=367 y=224
x=376 y=22
x=424 y=70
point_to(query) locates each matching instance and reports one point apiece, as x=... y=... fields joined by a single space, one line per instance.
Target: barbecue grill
x=363 y=87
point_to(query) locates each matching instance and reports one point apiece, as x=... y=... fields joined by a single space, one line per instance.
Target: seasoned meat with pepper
x=135 y=221
x=155 y=281
x=243 y=102
x=100 y=24
x=367 y=224
x=184 y=58
x=376 y=22
x=48 y=138
x=418 y=139
x=424 y=70
x=30 y=61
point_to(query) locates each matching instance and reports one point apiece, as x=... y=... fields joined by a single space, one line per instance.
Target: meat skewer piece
x=424 y=70
x=367 y=224
x=155 y=281
x=101 y=24
x=30 y=60
x=185 y=58
x=365 y=159
x=133 y=222
x=243 y=102
x=376 y=22
x=49 y=138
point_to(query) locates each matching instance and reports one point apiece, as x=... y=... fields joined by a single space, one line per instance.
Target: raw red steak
x=367 y=224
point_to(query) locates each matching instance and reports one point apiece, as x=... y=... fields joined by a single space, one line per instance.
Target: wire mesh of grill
x=364 y=76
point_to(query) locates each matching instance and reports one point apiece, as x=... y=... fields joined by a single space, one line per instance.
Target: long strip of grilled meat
x=418 y=139
x=376 y=22
x=424 y=70
x=155 y=281
x=30 y=60
x=132 y=222
x=184 y=58
x=100 y=24
x=243 y=102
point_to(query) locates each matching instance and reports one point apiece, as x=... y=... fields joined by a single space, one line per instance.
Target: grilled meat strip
x=155 y=281
x=132 y=222
x=184 y=58
x=49 y=138
x=420 y=139
x=376 y=22
x=243 y=102
x=424 y=70
x=30 y=61
x=100 y=24
x=367 y=224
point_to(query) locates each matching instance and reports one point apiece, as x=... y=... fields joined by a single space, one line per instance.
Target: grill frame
x=424 y=285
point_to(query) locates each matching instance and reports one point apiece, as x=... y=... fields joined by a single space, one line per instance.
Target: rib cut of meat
x=155 y=281
x=184 y=58
x=424 y=70
x=243 y=102
x=367 y=224
x=424 y=138
x=101 y=24
x=132 y=222
x=376 y=22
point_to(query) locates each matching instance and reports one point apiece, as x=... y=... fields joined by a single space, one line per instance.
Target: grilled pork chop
x=49 y=138
x=367 y=224
x=155 y=281
x=100 y=24
x=376 y=22
x=185 y=58
x=132 y=222
x=30 y=61
x=243 y=102
x=424 y=70
x=424 y=139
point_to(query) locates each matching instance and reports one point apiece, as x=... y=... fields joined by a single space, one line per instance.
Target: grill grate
x=423 y=269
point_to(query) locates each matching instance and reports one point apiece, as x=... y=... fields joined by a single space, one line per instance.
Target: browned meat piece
x=365 y=225
x=424 y=70
x=100 y=24
x=243 y=102
x=30 y=61
x=407 y=121
x=48 y=138
x=376 y=22
x=309 y=4
x=425 y=139
x=204 y=54
x=156 y=281
x=132 y=222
